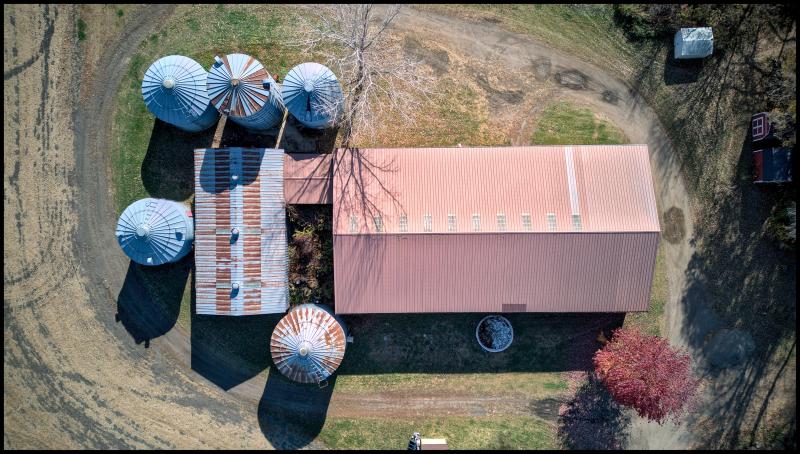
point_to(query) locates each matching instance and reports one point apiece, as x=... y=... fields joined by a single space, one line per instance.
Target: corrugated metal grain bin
x=308 y=344
x=174 y=90
x=241 y=88
x=694 y=42
x=155 y=231
x=313 y=95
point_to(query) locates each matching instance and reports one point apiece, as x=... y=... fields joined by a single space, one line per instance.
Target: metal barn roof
x=313 y=95
x=308 y=344
x=241 y=260
x=536 y=229
x=694 y=42
x=240 y=87
x=174 y=90
x=155 y=231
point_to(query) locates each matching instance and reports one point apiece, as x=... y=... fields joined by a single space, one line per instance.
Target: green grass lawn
x=563 y=123
x=516 y=432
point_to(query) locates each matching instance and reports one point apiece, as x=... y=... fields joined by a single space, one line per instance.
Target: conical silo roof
x=308 y=344
x=174 y=90
x=241 y=88
x=312 y=94
x=155 y=231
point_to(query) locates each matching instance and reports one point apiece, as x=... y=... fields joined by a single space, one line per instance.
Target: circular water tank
x=313 y=95
x=155 y=231
x=174 y=90
x=241 y=88
x=308 y=343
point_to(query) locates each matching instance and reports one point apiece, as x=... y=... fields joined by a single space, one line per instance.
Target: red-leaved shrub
x=645 y=373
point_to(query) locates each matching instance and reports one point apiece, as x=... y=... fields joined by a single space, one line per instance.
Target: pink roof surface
x=610 y=187
x=467 y=230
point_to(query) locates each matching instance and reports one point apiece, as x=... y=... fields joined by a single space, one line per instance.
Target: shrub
x=645 y=373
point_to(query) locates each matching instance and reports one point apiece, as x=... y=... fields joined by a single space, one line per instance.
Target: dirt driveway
x=73 y=376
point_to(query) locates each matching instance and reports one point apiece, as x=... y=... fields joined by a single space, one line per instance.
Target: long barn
x=511 y=229
x=505 y=229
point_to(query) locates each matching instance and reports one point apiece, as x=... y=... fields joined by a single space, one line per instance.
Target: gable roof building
x=512 y=229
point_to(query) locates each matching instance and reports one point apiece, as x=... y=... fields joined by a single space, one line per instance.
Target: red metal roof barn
x=527 y=229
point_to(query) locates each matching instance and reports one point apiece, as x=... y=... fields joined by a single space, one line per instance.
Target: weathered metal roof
x=694 y=42
x=308 y=344
x=155 y=231
x=241 y=261
x=313 y=95
x=240 y=87
x=532 y=229
x=174 y=90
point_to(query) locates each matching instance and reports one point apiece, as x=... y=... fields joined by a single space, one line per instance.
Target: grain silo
x=241 y=88
x=174 y=90
x=308 y=343
x=155 y=231
x=313 y=95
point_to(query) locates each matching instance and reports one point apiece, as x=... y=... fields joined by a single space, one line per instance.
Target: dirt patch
x=573 y=79
x=438 y=59
x=674 y=225
x=495 y=94
x=546 y=409
x=541 y=68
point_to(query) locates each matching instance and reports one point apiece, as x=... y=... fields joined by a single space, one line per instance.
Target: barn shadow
x=168 y=165
x=149 y=301
x=290 y=414
x=229 y=350
x=445 y=343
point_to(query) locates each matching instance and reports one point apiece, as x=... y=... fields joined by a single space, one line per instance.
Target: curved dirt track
x=73 y=376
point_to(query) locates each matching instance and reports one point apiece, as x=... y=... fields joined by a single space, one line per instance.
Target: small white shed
x=694 y=43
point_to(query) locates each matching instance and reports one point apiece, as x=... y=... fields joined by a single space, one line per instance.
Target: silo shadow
x=150 y=299
x=168 y=166
x=291 y=415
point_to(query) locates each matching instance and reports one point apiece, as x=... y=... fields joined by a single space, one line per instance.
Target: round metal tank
x=174 y=90
x=313 y=95
x=241 y=88
x=155 y=231
x=308 y=343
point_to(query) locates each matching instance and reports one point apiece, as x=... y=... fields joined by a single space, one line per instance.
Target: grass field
x=461 y=432
x=562 y=123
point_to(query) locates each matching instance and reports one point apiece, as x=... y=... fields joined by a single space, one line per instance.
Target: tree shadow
x=168 y=166
x=291 y=415
x=740 y=277
x=149 y=301
x=592 y=420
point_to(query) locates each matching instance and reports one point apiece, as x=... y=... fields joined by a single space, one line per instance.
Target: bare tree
x=379 y=81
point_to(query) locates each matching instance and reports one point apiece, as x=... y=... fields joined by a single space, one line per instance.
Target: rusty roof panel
x=241 y=262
